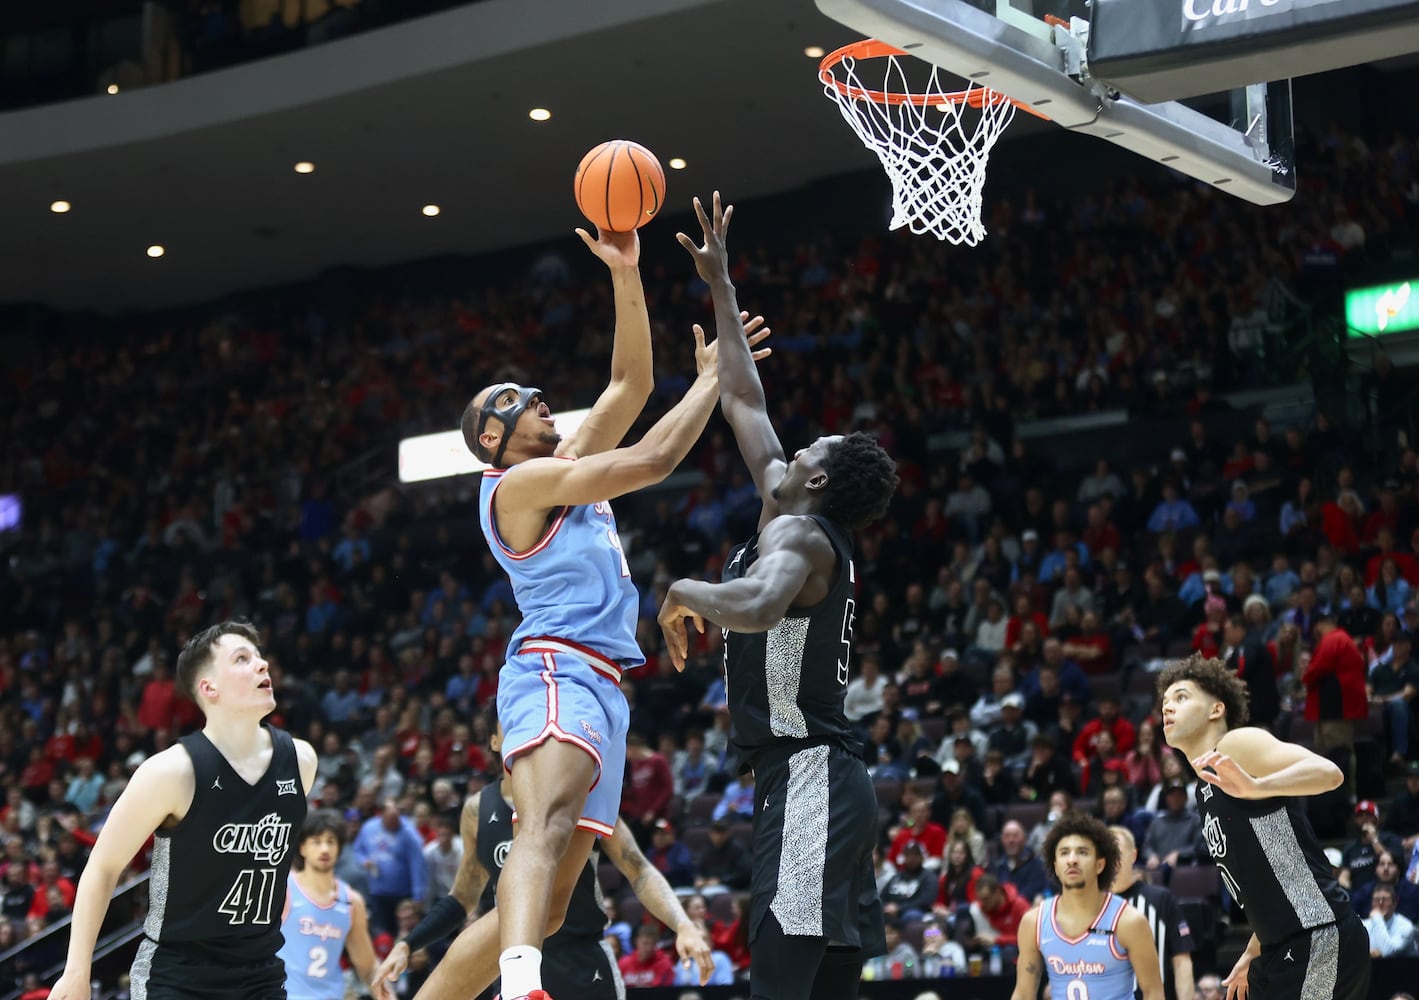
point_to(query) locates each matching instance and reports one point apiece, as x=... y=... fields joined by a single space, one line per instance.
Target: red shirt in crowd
x=1006 y=918
x=931 y=838
x=1125 y=736
x=1335 y=679
x=648 y=787
x=658 y=971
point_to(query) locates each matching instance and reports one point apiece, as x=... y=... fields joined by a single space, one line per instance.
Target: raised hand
x=707 y=354
x=712 y=259
x=614 y=249
x=1226 y=774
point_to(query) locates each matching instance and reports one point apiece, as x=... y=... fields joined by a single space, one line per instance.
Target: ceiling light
x=431 y=210
x=677 y=163
x=156 y=250
x=113 y=88
x=305 y=167
x=539 y=114
x=59 y=207
x=814 y=52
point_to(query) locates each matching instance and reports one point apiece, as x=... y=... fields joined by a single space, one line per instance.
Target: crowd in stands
x=179 y=469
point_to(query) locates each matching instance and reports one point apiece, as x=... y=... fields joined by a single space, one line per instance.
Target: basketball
x=619 y=185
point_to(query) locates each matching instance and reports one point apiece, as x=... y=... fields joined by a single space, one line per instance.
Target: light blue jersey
x=1092 y=967
x=574 y=584
x=315 y=938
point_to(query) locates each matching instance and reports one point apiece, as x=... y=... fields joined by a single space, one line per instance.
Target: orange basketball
x=619 y=185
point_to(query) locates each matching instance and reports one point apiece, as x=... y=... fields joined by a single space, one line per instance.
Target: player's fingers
x=586 y=238
x=724 y=225
x=759 y=335
x=687 y=243
x=700 y=214
x=699 y=332
x=699 y=623
x=761 y=355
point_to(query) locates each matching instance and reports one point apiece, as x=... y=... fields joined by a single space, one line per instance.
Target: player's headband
x=508 y=415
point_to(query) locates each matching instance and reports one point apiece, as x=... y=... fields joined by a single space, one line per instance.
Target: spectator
x=725 y=864
x=1394 y=685
x=392 y=854
x=442 y=856
x=910 y=893
x=920 y=830
x=1388 y=874
x=1046 y=773
x=958 y=879
x=1173 y=513
x=954 y=794
x=996 y=914
x=1175 y=835
x=1391 y=933
x=1017 y=865
x=690 y=768
x=671 y=856
x=864 y=692
x=1360 y=856
x=737 y=802
x=1335 y=689
x=688 y=973
x=648 y=788
x=647 y=965
x=1143 y=765
x=1111 y=720
x=1247 y=654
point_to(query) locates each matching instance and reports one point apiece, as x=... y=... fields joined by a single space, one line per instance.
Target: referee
x=1160 y=908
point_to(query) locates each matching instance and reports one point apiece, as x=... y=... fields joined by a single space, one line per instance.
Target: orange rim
x=976 y=97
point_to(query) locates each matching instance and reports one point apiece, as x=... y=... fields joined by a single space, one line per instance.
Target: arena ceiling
x=725 y=85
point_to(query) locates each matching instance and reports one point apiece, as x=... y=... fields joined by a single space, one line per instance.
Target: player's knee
x=549 y=833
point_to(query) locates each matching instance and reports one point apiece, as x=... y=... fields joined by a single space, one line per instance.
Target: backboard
x=1239 y=141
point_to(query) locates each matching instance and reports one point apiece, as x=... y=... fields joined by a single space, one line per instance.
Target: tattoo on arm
x=1033 y=968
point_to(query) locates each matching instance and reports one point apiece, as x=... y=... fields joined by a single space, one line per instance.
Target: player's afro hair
x=861 y=480
x=1216 y=679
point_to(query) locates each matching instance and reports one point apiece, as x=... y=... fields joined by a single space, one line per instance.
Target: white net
x=933 y=146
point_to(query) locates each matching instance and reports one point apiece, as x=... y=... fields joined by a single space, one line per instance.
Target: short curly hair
x=1216 y=679
x=1080 y=824
x=861 y=480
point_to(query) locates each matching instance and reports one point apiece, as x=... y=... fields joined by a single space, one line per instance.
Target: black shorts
x=575 y=969
x=1330 y=961
x=165 y=972
x=813 y=837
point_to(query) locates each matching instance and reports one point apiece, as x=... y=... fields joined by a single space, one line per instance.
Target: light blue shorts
x=554 y=689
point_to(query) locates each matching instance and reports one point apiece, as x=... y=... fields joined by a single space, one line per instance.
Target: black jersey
x=586 y=915
x=219 y=875
x=1271 y=862
x=788 y=684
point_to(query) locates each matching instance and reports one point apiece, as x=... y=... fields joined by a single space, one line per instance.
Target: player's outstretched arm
x=632 y=374
x=1031 y=965
x=740 y=390
x=161 y=787
x=655 y=893
x=1137 y=937
x=547 y=483
x=357 y=943
x=443 y=918
x=790 y=550
x=1250 y=763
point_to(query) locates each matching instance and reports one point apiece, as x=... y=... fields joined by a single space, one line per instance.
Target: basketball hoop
x=933 y=149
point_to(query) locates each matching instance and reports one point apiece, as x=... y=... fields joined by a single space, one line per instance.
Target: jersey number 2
x=246 y=896
x=319 y=958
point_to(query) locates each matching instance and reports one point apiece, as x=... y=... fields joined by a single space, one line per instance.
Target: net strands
x=934 y=143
